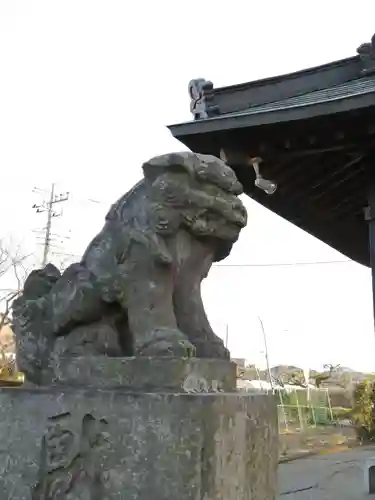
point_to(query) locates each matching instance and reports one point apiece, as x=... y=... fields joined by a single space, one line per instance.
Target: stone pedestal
x=110 y=429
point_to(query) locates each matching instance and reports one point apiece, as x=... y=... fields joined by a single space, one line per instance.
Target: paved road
x=337 y=476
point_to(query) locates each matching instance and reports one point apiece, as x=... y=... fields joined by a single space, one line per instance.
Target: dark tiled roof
x=360 y=86
x=291 y=121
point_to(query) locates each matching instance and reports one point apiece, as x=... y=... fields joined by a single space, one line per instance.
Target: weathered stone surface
x=145 y=374
x=64 y=444
x=136 y=290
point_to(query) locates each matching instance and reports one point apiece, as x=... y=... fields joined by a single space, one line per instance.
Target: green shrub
x=341 y=413
x=363 y=414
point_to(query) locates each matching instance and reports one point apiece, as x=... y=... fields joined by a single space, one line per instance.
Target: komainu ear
x=184 y=162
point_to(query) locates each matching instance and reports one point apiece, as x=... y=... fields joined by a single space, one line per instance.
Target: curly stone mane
x=195 y=196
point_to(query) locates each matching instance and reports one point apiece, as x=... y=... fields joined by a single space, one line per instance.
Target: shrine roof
x=353 y=94
x=314 y=133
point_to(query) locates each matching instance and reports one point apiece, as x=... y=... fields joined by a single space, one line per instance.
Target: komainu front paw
x=165 y=342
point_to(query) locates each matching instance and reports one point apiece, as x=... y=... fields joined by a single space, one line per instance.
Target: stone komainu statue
x=136 y=290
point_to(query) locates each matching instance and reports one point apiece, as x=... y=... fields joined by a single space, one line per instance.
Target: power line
x=68 y=254
x=288 y=264
x=64 y=197
x=47 y=206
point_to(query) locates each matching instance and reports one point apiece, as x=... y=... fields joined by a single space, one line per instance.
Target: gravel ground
x=298 y=443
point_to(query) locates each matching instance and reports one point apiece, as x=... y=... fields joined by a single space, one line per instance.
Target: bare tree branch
x=12 y=259
x=5 y=264
x=3 y=258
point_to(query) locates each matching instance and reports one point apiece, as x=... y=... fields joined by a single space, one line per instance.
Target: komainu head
x=198 y=193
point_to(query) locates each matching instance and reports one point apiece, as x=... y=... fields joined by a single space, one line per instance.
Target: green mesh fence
x=299 y=409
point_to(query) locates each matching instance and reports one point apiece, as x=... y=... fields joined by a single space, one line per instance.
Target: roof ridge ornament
x=202 y=104
x=366 y=53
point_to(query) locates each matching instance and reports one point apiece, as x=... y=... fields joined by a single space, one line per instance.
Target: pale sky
x=87 y=88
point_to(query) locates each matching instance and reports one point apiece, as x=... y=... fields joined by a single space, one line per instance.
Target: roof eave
x=269 y=117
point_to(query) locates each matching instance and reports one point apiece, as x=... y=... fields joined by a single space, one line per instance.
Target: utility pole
x=266 y=351
x=226 y=334
x=47 y=206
